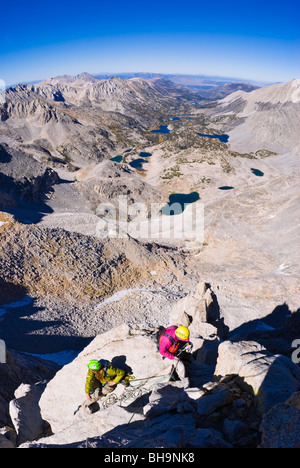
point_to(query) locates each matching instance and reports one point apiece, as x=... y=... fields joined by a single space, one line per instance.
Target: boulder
x=19 y=368
x=8 y=433
x=199 y=311
x=5 y=443
x=280 y=427
x=294 y=400
x=25 y=413
x=208 y=438
x=165 y=398
x=234 y=430
x=171 y=429
x=219 y=397
x=133 y=350
x=272 y=378
x=191 y=308
x=106 y=428
x=118 y=427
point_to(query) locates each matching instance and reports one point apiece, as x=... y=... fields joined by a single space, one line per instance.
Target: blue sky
x=254 y=40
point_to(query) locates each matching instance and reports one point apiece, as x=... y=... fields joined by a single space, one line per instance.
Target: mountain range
x=70 y=149
x=102 y=116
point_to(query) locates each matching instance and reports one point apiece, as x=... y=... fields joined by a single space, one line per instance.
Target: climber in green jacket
x=102 y=378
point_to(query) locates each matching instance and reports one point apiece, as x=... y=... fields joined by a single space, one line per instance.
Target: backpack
x=158 y=334
x=106 y=365
x=162 y=331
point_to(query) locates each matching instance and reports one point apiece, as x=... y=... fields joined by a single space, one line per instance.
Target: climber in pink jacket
x=169 y=343
x=170 y=340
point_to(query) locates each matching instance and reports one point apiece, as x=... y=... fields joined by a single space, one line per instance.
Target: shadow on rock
x=11 y=292
x=275 y=332
x=22 y=333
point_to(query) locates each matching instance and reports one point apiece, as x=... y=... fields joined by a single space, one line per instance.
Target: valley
x=103 y=142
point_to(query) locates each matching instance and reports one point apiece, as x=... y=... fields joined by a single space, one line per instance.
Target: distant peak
x=70 y=79
x=295 y=82
x=116 y=79
x=86 y=77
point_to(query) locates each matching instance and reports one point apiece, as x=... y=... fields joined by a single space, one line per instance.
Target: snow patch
x=27 y=300
x=117 y=296
x=61 y=358
x=280 y=271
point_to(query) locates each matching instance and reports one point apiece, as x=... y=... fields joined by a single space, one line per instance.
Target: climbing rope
x=133 y=392
x=173 y=370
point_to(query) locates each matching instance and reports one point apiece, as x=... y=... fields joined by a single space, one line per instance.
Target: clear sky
x=255 y=40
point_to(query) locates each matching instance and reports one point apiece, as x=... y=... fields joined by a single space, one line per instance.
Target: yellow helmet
x=183 y=333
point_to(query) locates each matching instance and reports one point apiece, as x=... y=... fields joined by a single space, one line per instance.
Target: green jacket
x=105 y=375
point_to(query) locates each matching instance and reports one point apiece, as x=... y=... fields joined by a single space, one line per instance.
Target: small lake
x=223 y=138
x=226 y=187
x=257 y=172
x=138 y=163
x=178 y=202
x=161 y=129
x=144 y=154
x=117 y=159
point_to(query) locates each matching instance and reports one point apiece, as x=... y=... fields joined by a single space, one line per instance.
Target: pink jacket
x=166 y=342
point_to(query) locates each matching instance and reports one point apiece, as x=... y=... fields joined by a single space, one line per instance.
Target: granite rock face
x=229 y=404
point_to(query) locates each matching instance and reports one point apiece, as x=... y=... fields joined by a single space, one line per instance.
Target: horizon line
x=200 y=75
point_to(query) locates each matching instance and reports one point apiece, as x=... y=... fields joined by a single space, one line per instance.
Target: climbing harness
x=175 y=344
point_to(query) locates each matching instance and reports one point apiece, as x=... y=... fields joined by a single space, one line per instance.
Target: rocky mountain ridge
x=270 y=114
x=70 y=122
x=210 y=87
x=221 y=91
x=237 y=398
